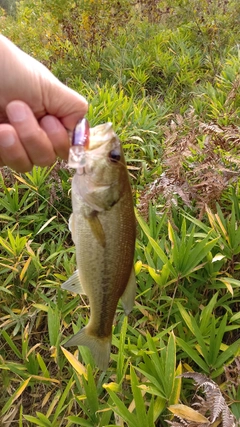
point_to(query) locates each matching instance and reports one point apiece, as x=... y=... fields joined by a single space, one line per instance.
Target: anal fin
x=73 y=284
x=129 y=294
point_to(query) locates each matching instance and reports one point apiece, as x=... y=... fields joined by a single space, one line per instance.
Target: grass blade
x=11 y=344
x=192 y=354
x=138 y=399
x=15 y=396
x=121 y=410
x=170 y=365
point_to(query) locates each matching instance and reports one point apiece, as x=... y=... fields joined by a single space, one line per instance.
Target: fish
x=103 y=228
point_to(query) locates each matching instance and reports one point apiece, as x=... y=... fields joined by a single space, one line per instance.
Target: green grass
x=170 y=85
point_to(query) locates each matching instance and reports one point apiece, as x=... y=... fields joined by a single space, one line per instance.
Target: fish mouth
x=100 y=134
x=87 y=145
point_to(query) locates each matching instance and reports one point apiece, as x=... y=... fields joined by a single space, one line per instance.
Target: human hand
x=36 y=110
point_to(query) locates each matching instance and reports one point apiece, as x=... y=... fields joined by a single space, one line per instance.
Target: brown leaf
x=188 y=414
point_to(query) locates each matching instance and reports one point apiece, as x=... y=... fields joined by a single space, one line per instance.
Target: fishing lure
x=80 y=145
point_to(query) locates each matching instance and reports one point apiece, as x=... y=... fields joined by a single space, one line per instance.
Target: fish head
x=101 y=176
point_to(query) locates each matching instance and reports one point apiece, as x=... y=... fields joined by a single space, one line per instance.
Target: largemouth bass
x=103 y=230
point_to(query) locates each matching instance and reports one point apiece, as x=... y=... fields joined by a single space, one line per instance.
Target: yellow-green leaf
x=46 y=224
x=137 y=267
x=26 y=265
x=227 y=284
x=111 y=386
x=79 y=368
x=15 y=396
x=19 y=178
x=175 y=396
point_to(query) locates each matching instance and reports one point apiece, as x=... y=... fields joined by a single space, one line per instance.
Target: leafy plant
x=167 y=76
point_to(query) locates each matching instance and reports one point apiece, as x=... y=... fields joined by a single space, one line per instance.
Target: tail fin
x=99 y=347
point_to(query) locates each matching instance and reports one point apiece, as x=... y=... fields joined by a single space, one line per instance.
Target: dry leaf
x=188 y=414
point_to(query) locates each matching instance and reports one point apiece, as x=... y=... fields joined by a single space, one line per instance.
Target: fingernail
x=7 y=140
x=16 y=111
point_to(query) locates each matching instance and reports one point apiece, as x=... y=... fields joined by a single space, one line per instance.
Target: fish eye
x=115 y=155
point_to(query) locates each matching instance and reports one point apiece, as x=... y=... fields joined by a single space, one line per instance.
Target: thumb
x=64 y=103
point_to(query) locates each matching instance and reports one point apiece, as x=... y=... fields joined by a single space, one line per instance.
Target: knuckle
x=33 y=135
x=44 y=162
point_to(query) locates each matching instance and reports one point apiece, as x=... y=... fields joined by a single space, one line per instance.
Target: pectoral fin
x=97 y=228
x=73 y=284
x=129 y=294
